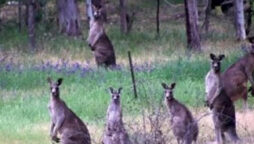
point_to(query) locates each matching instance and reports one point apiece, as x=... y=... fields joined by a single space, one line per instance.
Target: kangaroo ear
x=59 y=81
x=119 y=90
x=221 y=57
x=212 y=56
x=164 y=85
x=173 y=85
x=111 y=90
x=49 y=80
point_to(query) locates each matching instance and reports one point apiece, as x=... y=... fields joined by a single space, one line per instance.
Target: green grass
x=24 y=96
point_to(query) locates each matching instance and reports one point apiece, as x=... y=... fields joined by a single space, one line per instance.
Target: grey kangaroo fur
x=99 y=42
x=63 y=121
x=185 y=127
x=115 y=132
x=236 y=77
x=213 y=84
x=221 y=105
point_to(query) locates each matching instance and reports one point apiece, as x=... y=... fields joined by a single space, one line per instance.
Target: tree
x=191 y=12
x=249 y=13
x=31 y=24
x=239 y=20
x=158 y=17
x=19 y=12
x=89 y=10
x=123 y=15
x=68 y=17
x=207 y=15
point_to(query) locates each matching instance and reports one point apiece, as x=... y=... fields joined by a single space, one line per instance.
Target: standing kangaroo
x=184 y=126
x=235 y=78
x=115 y=132
x=220 y=103
x=212 y=83
x=99 y=42
x=63 y=121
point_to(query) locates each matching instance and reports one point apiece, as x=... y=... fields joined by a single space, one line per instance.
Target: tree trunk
x=19 y=15
x=191 y=12
x=207 y=15
x=31 y=25
x=239 y=20
x=158 y=17
x=26 y=13
x=123 y=15
x=68 y=17
x=89 y=10
x=249 y=14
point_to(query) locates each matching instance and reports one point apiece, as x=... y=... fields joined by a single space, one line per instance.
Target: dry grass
x=141 y=129
x=140 y=126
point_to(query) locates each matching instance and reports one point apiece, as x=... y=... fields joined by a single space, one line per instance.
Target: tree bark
x=249 y=14
x=239 y=20
x=89 y=10
x=123 y=15
x=26 y=13
x=158 y=17
x=191 y=12
x=19 y=15
x=207 y=15
x=31 y=25
x=68 y=17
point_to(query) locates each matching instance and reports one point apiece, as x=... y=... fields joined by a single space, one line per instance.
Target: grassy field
x=24 y=91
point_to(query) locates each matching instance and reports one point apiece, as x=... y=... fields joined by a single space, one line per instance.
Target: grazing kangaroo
x=212 y=83
x=235 y=78
x=115 y=132
x=64 y=121
x=221 y=105
x=184 y=126
x=99 y=42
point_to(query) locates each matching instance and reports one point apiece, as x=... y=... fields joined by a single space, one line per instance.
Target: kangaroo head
x=97 y=12
x=54 y=86
x=216 y=62
x=168 y=90
x=115 y=95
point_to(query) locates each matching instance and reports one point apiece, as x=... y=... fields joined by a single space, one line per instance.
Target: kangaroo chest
x=114 y=114
x=54 y=110
x=212 y=83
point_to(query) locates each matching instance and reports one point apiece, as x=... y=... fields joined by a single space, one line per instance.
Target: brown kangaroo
x=184 y=126
x=235 y=78
x=63 y=121
x=99 y=42
x=221 y=105
x=115 y=132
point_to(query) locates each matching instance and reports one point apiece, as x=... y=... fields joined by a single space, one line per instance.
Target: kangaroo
x=212 y=83
x=63 y=121
x=115 y=132
x=223 y=110
x=99 y=42
x=184 y=126
x=236 y=77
